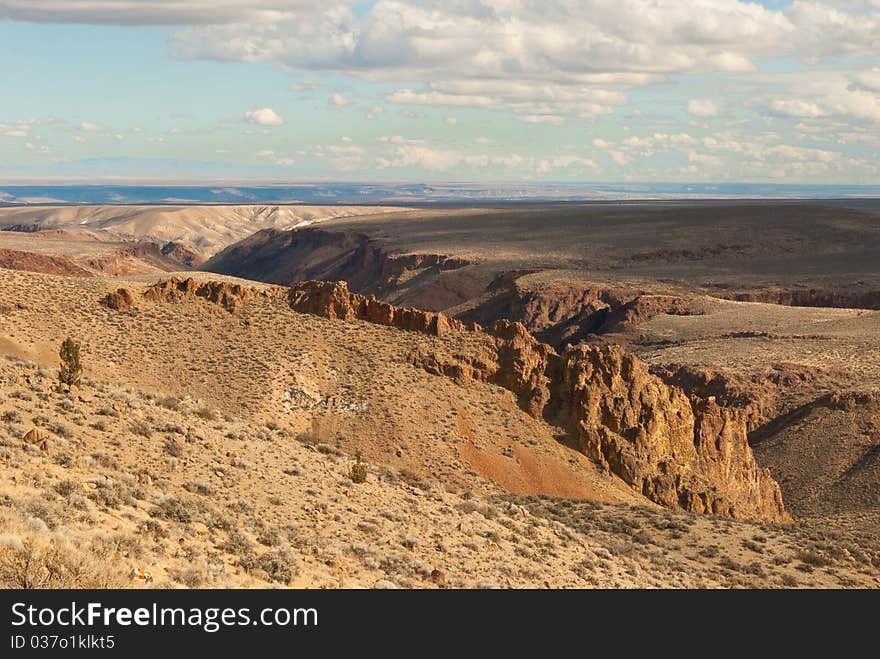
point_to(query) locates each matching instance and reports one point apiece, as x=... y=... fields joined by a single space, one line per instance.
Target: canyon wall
x=681 y=451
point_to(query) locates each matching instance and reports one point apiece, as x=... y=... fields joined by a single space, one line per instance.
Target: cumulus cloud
x=701 y=107
x=537 y=58
x=549 y=62
x=264 y=117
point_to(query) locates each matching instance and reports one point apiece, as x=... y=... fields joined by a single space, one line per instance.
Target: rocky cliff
x=682 y=452
x=334 y=300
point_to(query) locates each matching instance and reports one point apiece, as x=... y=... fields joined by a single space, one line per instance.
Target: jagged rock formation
x=334 y=300
x=679 y=452
x=682 y=453
x=227 y=295
x=120 y=299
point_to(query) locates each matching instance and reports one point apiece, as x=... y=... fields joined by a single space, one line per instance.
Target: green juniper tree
x=71 y=368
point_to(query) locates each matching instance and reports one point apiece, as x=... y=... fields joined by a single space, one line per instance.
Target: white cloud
x=264 y=117
x=79 y=139
x=553 y=119
x=794 y=107
x=338 y=101
x=450 y=121
x=272 y=156
x=701 y=107
x=375 y=111
x=88 y=126
x=537 y=58
x=303 y=86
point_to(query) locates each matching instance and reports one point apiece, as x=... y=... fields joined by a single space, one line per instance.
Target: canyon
x=651 y=354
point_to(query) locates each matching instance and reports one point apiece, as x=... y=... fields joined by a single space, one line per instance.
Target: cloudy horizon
x=405 y=90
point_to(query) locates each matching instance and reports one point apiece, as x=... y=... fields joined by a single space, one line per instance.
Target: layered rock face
x=334 y=300
x=684 y=453
x=680 y=452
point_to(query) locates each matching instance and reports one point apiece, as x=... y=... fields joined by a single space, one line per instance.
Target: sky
x=440 y=90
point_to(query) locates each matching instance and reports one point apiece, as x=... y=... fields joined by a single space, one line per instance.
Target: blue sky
x=506 y=90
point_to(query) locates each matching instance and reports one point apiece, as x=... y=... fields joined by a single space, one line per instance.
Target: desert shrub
x=142 y=428
x=66 y=487
x=812 y=558
x=60 y=430
x=270 y=537
x=206 y=413
x=153 y=529
x=11 y=416
x=358 y=471
x=191 y=577
x=280 y=564
x=173 y=509
x=173 y=447
x=237 y=544
x=198 y=487
x=27 y=564
x=70 y=372
x=169 y=402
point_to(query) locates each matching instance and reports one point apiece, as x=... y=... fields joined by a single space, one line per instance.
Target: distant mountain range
x=409 y=193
